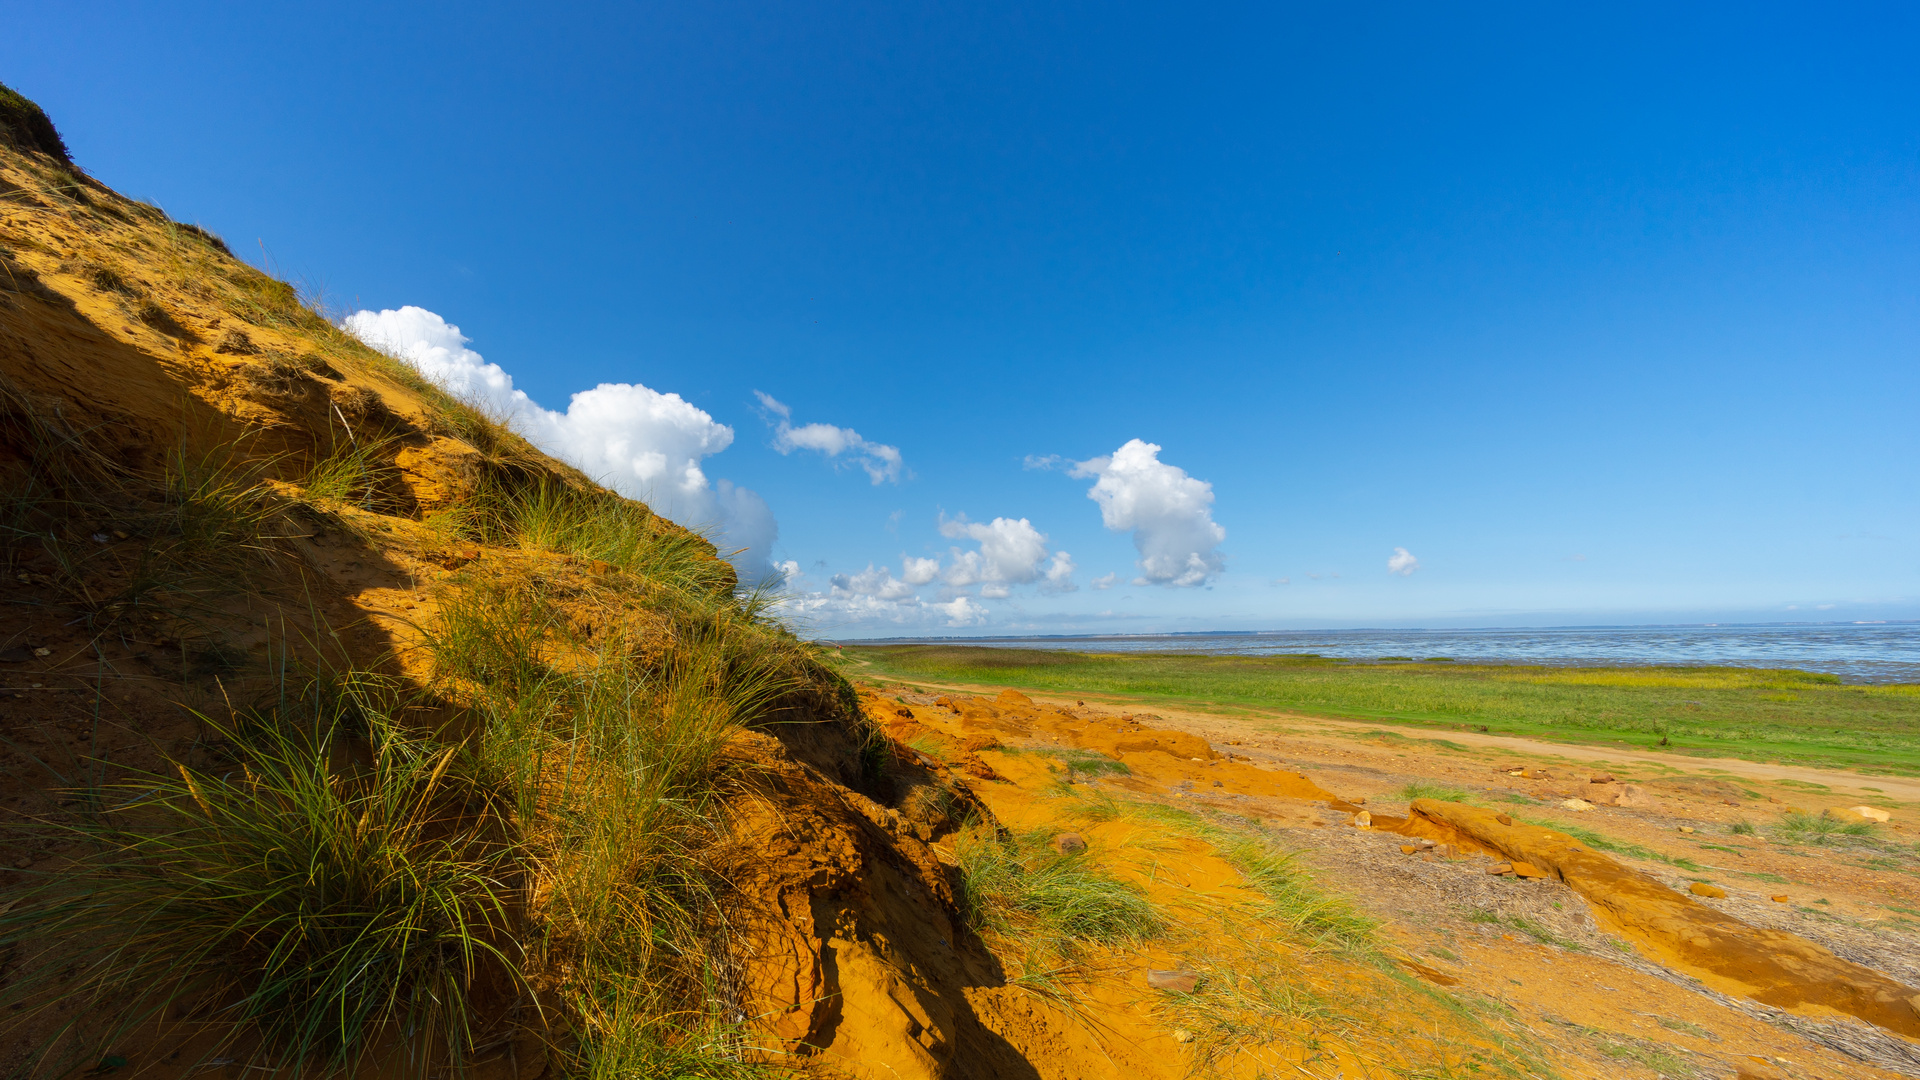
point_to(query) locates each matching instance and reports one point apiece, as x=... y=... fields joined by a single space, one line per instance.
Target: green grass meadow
x=1762 y=715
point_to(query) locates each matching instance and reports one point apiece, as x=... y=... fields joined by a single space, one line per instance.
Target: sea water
x=1857 y=653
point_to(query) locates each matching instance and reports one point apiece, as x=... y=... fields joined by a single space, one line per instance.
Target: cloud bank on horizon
x=1167 y=513
x=642 y=443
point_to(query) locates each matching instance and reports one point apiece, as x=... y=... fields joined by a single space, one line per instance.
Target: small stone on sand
x=1179 y=982
x=1700 y=888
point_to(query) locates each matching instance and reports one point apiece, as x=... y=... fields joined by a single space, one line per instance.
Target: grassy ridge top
x=1760 y=714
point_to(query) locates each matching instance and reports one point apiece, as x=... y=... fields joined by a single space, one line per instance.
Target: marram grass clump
x=329 y=884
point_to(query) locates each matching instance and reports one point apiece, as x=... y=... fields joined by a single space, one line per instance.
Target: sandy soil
x=1591 y=1002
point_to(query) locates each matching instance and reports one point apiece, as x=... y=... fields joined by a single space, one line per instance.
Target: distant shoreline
x=1855 y=652
x=983 y=638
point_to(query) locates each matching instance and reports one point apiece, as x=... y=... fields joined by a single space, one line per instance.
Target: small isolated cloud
x=1059 y=575
x=1402 y=562
x=1010 y=553
x=918 y=571
x=1105 y=581
x=1169 y=513
x=882 y=462
x=1046 y=461
x=642 y=443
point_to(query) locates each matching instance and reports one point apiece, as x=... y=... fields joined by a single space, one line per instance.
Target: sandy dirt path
x=1217 y=726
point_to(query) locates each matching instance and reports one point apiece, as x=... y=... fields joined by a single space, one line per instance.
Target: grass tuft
x=1420 y=789
x=1798 y=827
x=312 y=900
x=1020 y=888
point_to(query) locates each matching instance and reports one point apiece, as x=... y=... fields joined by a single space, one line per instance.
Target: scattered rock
x=1069 y=843
x=1182 y=1035
x=1603 y=778
x=1755 y=1068
x=1616 y=794
x=1872 y=813
x=43 y=652
x=1363 y=820
x=1576 y=804
x=903 y=712
x=1503 y=819
x=236 y=343
x=978 y=769
x=1686 y=828
x=1179 y=981
x=1781 y=899
x=1500 y=868
x=1701 y=888
x=1528 y=870
x=1408 y=849
x=458 y=555
x=1363 y=802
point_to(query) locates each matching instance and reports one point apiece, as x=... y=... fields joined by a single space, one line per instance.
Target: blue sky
x=1604 y=315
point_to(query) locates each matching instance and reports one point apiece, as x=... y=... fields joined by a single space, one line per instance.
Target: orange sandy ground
x=1494 y=999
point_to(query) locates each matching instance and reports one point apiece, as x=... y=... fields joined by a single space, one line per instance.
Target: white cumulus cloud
x=918 y=571
x=1105 y=581
x=961 y=611
x=1169 y=513
x=882 y=463
x=642 y=443
x=1402 y=562
x=877 y=583
x=1059 y=575
x=1010 y=553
